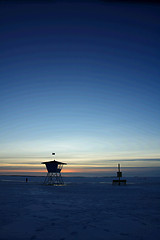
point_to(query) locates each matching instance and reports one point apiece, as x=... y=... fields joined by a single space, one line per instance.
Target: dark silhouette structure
x=54 y=173
x=119 y=175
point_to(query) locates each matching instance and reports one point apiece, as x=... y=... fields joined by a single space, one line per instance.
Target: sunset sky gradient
x=81 y=79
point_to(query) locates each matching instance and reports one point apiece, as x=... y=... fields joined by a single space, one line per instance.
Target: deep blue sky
x=80 y=79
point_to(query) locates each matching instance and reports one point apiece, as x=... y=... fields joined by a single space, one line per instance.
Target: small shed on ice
x=119 y=175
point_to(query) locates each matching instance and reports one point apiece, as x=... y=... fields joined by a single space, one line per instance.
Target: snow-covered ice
x=85 y=208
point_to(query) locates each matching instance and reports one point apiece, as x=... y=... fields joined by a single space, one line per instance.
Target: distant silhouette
x=119 y=175
x=54 y=173
x=26 y=180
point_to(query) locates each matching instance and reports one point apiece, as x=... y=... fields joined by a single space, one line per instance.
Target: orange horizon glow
x=22 y=170
x=73 y=170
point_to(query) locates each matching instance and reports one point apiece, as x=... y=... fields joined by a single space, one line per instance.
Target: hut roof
x=53 y=162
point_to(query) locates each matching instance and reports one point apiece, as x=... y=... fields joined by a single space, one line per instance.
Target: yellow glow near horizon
x=91 y=164
x=78 y=166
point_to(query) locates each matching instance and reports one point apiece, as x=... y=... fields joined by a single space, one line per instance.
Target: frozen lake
x=85 y=208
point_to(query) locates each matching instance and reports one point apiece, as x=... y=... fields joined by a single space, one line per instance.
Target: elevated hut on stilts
x=54 y=172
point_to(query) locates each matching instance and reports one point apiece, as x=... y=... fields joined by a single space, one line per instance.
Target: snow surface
x=85 y=208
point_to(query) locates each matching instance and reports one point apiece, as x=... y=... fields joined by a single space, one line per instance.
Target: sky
x=81 y=79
